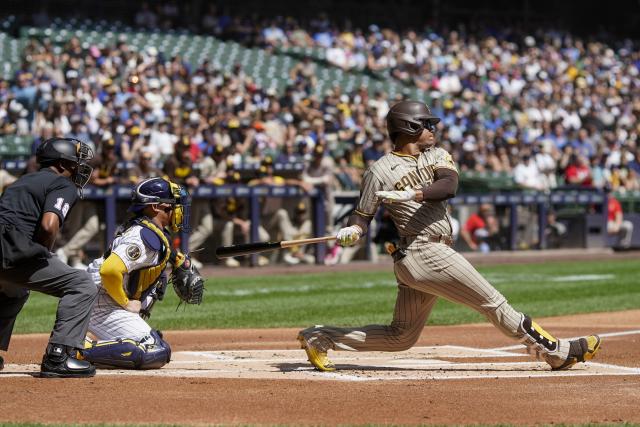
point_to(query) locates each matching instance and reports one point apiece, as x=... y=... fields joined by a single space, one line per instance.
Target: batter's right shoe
x=61 y=362
x=581 y=350
x=316 y=356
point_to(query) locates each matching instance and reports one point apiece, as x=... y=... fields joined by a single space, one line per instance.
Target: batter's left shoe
x=316 y=356
x=581 y=350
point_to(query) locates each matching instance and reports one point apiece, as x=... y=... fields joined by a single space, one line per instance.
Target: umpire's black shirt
x=22 y=206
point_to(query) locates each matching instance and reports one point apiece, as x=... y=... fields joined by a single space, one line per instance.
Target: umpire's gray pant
x=75 y=289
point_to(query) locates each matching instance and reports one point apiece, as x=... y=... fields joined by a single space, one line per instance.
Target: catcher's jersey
x=138 y=251
x=396 y=171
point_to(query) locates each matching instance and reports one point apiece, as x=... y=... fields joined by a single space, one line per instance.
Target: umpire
x=32 y=210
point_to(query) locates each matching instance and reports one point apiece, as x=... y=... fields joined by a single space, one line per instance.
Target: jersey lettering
x=62 y=206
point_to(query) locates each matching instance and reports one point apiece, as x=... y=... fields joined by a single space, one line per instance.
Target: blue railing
x=110 y=195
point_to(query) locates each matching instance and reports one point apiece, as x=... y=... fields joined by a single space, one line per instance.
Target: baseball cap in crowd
x=218 y=149
x=318 y=150
x=301 y=208
x=259 y=126
x=71 y=74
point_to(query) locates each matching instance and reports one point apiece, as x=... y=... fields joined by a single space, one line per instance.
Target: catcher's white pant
x=109 y=320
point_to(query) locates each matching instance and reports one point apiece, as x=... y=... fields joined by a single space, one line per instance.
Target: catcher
x=131 y=278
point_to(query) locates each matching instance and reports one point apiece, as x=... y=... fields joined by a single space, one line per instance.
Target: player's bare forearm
x=48 y=230
x=443 y=188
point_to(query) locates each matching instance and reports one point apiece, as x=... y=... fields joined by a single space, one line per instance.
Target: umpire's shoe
x=61 y=362
x=581 y=350
x=317 y=356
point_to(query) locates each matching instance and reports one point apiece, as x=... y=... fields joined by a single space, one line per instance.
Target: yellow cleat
x=318 y=358
x=581 y=350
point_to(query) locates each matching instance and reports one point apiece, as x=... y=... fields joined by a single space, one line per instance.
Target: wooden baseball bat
x=252 y=248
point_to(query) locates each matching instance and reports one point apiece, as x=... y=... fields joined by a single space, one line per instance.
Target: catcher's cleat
x=581 y=350
x=317 y=357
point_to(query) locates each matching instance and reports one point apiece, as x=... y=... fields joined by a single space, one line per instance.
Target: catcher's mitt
x=187 y=283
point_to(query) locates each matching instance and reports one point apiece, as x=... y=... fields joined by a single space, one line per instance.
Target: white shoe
x=290 y=259
x=61 y=255
x=232 y=262
x=262 y=261
x=309 y=259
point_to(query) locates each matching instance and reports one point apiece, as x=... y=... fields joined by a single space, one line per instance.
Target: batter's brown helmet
x=409 y=117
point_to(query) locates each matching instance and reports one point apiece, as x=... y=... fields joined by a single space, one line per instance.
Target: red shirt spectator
x=578 y=173
x=474 y=222
x=613 y=208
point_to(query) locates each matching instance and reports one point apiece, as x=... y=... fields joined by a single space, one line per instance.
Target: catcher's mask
x=410 y=118
x=155 y=191
x=72 y=154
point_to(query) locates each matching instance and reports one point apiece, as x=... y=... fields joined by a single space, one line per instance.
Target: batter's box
x=419 y=363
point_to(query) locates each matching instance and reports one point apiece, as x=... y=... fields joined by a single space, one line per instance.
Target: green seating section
x=269 y=70
x=12 y=146
x=480 y=182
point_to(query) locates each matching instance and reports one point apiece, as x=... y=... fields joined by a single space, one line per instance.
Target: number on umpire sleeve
x=62 y=206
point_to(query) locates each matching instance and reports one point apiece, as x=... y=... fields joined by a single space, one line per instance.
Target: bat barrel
x=245 y=249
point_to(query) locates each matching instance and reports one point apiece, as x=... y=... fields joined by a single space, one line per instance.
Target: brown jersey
x=396 y=171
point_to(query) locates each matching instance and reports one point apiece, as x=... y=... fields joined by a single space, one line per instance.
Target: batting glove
x=396 y=196
x=349 y=235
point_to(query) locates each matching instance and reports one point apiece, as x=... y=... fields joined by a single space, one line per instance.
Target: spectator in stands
x=555 y=231
x=578 y=173
x=302 y=228
x=318 y=172
x=179 y=167
x=143 y=169
x=480 y=229
x=527 y=175
x=616 y=224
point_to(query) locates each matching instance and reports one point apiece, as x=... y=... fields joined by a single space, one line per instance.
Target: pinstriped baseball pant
x=427 y=272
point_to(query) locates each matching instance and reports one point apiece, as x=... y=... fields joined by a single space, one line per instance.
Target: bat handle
x=290 y=243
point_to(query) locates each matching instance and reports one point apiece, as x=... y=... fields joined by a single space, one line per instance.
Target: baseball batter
x=130 y=278
x=414 y=182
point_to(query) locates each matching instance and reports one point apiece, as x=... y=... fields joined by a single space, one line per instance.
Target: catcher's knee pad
x=152 y=353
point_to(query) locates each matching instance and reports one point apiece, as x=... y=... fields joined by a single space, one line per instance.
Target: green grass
x=345 y=298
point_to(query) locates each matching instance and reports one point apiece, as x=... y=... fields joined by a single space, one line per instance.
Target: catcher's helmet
x=71 y=151
x=409 y=117
x=155 y=191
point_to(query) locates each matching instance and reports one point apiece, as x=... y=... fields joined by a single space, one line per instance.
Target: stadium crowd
x=549 y=109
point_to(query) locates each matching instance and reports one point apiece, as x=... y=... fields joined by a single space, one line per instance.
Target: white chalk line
x=604 y=335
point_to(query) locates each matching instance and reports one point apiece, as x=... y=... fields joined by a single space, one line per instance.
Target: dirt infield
x=456 y=374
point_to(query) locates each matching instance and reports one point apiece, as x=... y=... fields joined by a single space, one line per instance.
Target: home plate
x=418 y=363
